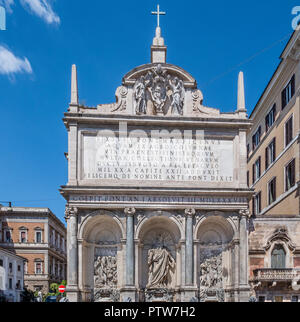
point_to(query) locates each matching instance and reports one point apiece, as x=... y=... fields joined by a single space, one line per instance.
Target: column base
x=244 y=294
x=189 y=294
x=128 y=294
x=73 y=294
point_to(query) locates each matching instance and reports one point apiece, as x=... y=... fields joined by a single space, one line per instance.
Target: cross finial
x=158 y=13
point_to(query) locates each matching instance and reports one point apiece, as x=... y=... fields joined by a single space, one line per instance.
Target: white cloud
x=7 y=4
x=10 y=64
x=42 y=9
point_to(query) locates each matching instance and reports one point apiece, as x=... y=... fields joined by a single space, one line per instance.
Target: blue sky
x=212 y=40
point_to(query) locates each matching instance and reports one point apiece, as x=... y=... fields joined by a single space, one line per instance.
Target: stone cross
x=158 y=13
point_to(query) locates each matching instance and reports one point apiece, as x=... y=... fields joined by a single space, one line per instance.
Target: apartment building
x=11 y=276
x=40 y=237
x=273 y=172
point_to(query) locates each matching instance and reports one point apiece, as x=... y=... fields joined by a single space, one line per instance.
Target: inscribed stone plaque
x=157 y=159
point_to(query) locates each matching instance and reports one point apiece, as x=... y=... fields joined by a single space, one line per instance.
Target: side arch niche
x=159 y=263
x=214 y=258
x=102 y=253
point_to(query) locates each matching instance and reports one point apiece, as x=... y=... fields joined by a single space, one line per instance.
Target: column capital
x=70 y=212
x=190 y=212
x=129 y=212
x=244 y=213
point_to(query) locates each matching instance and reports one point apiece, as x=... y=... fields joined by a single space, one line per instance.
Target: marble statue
x=177 y=95
x=156 y=85
x=160 y=262
x=105 y=271
x=140 y=96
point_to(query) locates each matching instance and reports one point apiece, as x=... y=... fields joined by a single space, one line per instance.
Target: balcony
x=275 y=275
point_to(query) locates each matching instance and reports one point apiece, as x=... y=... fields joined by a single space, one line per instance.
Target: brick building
x=273 y=172
x=40 y=237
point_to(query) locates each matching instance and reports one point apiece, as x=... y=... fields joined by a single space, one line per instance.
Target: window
x=295 y=298
x=10 y=267
x=270 y=118
x=23 y=237
x=38 y=268
x=18 y=286
x=270 y=153
x=38 y=237
x=256 y=138
x=248 y=150
x=248 y=180
x=25 y=267
x=288 y=92
x=257 y=204
x=256 y=170
x=8 y=236
x=290 y=175
x=261 y=299
x=19 y=268
x=1 y=262
x=289 y=131
x=10 y=283
x=272 y=191
x=278 y=257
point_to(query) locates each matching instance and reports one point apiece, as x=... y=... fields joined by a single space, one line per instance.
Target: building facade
x=40 y=237
x=273 y=172
x=11 y=275
x=157 y=195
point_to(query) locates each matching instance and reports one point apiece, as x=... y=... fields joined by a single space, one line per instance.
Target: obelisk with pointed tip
x=74 y=90
x=158 y=48
x=241 y=105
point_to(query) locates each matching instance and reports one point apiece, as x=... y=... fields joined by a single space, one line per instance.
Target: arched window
x=278 y=257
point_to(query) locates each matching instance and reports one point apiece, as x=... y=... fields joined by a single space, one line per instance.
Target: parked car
x=52 y=299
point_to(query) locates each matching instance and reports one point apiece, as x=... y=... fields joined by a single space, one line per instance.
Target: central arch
x=160 y=235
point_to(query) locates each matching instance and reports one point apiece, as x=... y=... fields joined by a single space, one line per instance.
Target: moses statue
x=160 y=262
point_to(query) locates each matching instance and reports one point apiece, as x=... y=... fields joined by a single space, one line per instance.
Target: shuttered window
x=290 y=179
x=288 y=92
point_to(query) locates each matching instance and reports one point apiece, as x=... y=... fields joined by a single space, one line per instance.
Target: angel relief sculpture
x=154 y=87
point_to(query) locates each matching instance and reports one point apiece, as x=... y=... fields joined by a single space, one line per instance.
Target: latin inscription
x=158 y=159
x=156 y=199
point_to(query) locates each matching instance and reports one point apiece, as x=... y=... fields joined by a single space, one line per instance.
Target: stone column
x=244 y=285
x=72 y=254
x=128 y=292
x=129 y=246
x=189 y=247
